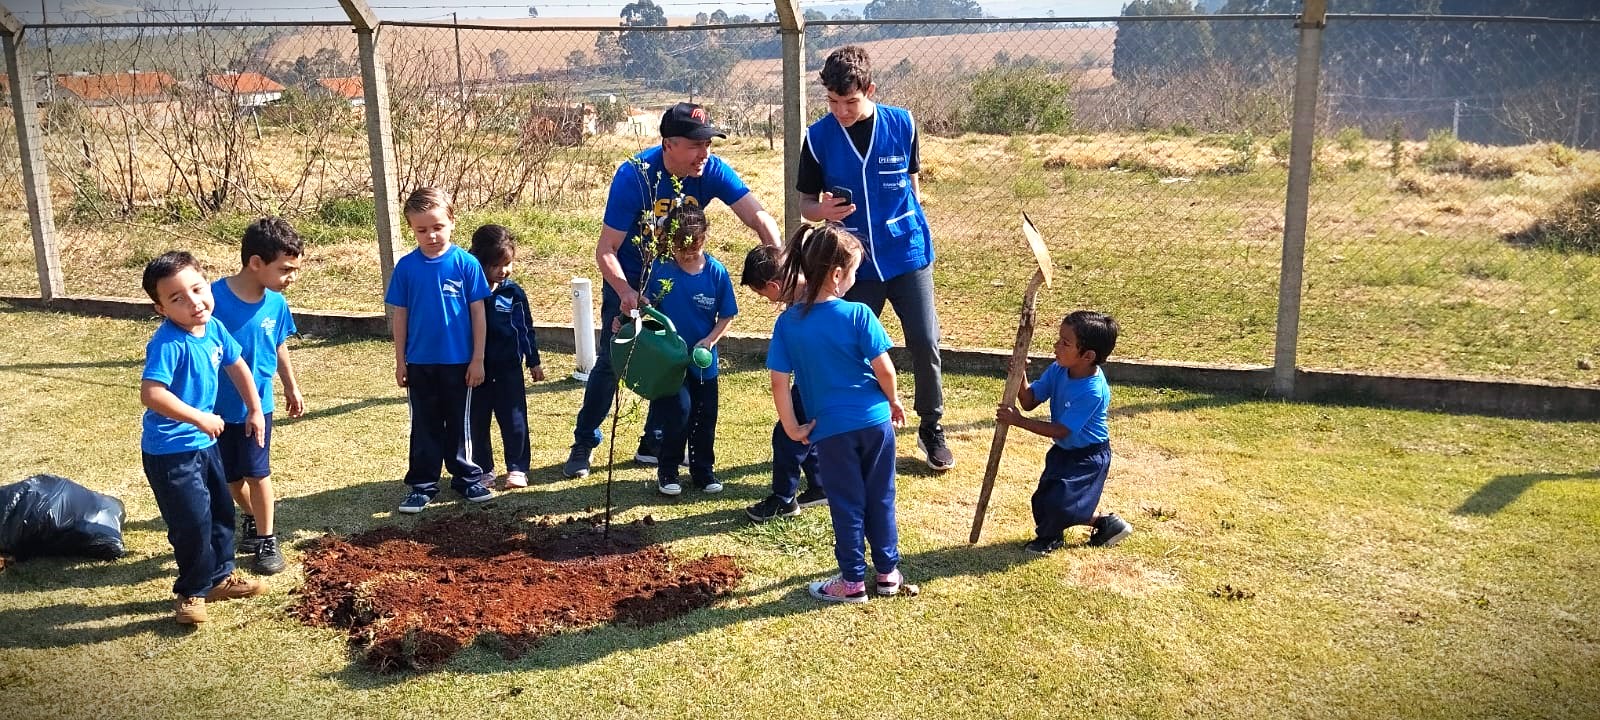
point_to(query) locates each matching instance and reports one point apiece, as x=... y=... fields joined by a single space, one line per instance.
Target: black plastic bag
x=51 y=515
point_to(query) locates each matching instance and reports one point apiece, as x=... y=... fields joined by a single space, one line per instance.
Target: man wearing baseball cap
x=642 y=190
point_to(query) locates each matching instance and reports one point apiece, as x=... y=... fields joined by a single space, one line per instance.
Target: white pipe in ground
x=582 y=327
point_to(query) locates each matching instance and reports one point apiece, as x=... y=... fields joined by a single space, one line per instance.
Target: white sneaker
x=669 y=488
x=516 y=479
x=712 y=487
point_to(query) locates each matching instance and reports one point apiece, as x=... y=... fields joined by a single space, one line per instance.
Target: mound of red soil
x=412 y=598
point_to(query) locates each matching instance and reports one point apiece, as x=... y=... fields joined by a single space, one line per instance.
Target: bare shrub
x=1573 y=225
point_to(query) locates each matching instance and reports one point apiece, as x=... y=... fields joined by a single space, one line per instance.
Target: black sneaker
x=269 y=561
x=1109 y=530
x=649 y=450
x=248 y=542
x=931 y=442
x=577 y=464
x=1042 y=547
x=771 y=508
x=812 y=497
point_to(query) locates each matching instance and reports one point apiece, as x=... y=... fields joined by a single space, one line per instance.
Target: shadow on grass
x=1504 y=490
x=49 y=574
x=130 y=362
x=72 y=624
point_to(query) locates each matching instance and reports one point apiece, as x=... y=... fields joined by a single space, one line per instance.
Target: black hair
x=493 y=244
x=166 y=265
x=847 y=70
x=814 y=253
x=268 y=238
x=760 y=266
x=1095 y=331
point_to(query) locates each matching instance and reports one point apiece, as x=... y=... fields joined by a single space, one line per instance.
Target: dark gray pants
x=911 y=295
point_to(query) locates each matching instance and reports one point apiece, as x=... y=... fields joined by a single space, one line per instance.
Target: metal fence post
x=793 y=29
x=30 y=146
x=380 y=148
x=1308 y=67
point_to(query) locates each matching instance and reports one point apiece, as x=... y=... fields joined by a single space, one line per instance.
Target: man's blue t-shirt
x=830 y=351
x=437 y=294
x=694 y=302
x=1078 y=404
x=630 y=198
x=259 y=328
x=188 y=365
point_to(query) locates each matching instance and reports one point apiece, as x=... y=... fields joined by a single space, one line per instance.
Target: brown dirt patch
x=411 y=598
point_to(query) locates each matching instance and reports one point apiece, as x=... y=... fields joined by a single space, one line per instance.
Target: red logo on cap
x=698 y=114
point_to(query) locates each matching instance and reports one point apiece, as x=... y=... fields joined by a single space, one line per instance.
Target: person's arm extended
x=291 y=384
x=750 y=212
x=254 y=424
x=397 y=327
x=1008 y=415
x=605 y=256
x=785 y=406
x=717 y=331
x=159 y=398
x=883 y=370
x=479 y=330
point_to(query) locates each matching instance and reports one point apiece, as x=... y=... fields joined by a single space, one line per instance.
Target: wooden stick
x=1016 y=372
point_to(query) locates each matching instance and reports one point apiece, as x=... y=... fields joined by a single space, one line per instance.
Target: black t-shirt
x=810 y=180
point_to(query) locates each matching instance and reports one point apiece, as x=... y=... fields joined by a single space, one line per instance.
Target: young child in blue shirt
x=509 y=343
x=1075 y=468
x=694 y=290
x=436 y=296
x=251 y=305
x=790 y=460
x=178 y=445
x=839 y=355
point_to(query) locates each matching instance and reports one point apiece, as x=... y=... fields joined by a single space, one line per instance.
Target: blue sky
x=33 y=11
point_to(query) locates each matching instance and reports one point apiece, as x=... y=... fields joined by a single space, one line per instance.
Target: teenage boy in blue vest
x=642 y=192
x=870 y=150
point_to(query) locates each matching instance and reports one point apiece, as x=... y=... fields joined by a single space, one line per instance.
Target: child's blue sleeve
x=160 y=362
x=727 y=300
x=777 y=350
x=286 y=326
x=399 y=290
x=626 y=200
x=874 y=340
x=1045 y=386
x=472 y=274
x=231 y=350
x=725 y=184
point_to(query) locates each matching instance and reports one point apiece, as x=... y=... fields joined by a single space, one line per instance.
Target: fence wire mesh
x=1152 y=154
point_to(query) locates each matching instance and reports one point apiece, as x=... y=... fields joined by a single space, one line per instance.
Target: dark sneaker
x=931 y=442
x=577 y=464
x=1042 y=547
x=837 y=589
x=269 y=560
x=649 y=450
x=889 y=583
x=1109 y=530
x=812 y=497
x=234 y=587
x=189 y=611
x=772 y=507
x=476 y=492
x=415 y=502
x=248 y=542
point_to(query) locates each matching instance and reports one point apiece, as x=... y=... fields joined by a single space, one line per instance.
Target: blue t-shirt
x=188 y=365
x=1078 y=404
x=259 y=328
x=629 y=199
x=694 y=302
x=437 y=294
x=830 y=351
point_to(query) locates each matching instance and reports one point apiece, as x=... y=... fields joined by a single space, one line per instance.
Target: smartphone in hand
x=842 y=195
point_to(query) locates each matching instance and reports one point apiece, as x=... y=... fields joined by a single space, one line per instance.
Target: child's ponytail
x=814 y=252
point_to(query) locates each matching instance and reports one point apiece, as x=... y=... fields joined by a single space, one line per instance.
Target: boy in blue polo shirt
x=693 y=290
x=178 y=444
x=1075 y=468
x=251 y=305
x=436 y=295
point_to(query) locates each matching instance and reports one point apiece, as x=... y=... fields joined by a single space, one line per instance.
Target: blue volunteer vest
x=888 y=219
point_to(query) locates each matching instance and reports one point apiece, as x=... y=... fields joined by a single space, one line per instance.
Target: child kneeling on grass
x=179 y=442
x=839 y=355
x=1075 y=468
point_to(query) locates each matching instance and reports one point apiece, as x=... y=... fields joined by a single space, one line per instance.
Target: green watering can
x=649 y=356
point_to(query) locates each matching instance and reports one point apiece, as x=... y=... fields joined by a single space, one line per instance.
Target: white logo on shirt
x=450 y=288
x=705 y=302
x=502 y=304
x=267 y=324
x=891 y=159
x=216 y=357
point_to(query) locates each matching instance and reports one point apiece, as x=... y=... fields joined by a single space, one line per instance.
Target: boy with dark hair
x=1075 y=468
x=251 y=305
x=864 y=155
x=790 y=459
x=178 y=445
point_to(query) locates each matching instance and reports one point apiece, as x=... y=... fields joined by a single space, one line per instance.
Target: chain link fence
x=1152 y=153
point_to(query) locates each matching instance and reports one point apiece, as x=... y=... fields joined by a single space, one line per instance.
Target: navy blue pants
x=857 y=471
x=911 y=295
x=688 y=424
x=441 y=419
x=1069 y=488
x=192 y=495
x=791 y=459
x=602 y=383
x=503 y=393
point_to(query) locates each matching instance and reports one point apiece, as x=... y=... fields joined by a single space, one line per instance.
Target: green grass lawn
x=1381 y=563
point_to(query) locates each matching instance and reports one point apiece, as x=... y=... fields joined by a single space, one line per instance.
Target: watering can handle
x=657 y=315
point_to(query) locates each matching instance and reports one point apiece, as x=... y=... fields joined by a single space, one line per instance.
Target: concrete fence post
x=793 y=29
x=30 y=147
x=1308 y=67
x=380 y=146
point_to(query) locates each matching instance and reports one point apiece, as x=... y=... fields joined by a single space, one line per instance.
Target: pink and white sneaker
x=516 y=479
x=837 y=589
x=889 y=583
